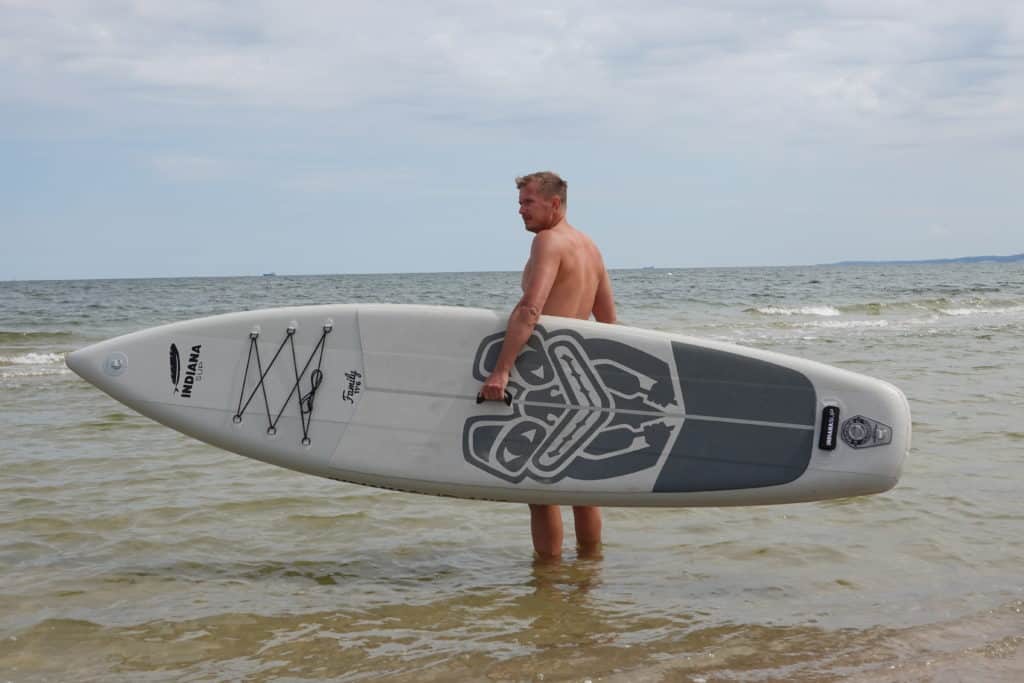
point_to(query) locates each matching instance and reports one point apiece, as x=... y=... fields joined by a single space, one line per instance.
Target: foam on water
x=15 y=368
x=846 y=324
x=984 y=310
x=797 y=310
x=32 y=358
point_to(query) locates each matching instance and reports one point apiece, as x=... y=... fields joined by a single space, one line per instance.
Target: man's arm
x=542 y=270
x=604 y=302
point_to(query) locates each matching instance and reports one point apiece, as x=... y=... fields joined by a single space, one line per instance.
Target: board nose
x=75 y=360
x=88 y=363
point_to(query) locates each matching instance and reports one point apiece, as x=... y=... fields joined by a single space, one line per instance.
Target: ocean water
x=129 y=552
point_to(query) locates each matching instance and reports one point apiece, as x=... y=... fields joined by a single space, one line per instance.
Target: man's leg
x=546 y=527
x=588 y=528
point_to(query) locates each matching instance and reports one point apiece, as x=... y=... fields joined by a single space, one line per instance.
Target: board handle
x=508 y=398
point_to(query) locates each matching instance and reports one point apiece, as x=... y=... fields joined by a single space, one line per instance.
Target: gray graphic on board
x=750 y=423
x=582 y=408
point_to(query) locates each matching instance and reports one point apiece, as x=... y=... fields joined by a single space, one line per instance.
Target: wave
x=847 y=324
x=32 y=364
x=33 y=359
x=795 y=310
x=935 y=307
x=991 y=310
x=23 y=372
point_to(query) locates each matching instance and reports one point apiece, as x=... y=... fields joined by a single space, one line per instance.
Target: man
x=564 y=276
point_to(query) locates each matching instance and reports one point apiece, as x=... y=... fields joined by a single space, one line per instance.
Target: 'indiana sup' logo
x=582 y=408
x=193 y=370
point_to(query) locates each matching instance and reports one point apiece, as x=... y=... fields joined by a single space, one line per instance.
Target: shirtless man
x=565 y=276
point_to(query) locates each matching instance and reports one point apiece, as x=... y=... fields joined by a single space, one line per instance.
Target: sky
x=156 y=139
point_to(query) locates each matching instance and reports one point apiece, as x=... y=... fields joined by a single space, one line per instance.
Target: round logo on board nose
x=116 y=364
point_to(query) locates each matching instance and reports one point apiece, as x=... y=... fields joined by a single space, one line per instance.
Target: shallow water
x=129 y=552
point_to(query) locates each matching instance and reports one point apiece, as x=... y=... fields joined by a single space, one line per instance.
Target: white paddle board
x=387 y=396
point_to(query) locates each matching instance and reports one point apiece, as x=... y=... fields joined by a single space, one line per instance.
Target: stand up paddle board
x=595 y=414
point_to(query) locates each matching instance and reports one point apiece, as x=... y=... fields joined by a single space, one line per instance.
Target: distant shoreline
x=1013 y=258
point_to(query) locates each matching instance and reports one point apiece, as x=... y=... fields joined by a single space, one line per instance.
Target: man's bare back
x=580 y=270
x=565 y=276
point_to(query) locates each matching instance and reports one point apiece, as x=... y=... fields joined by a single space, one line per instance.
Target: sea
x=129 y=552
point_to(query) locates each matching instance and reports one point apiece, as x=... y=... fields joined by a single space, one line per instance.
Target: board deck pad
x=385 y=395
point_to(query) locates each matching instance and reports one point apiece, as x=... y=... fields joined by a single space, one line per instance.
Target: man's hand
x=494 y=386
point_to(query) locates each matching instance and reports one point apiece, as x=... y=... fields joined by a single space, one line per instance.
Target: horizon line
x=934 y=261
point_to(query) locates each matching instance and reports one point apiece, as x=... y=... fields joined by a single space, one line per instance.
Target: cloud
x=875 y=72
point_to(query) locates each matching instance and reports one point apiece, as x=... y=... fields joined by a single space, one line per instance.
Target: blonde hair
x=549 y=184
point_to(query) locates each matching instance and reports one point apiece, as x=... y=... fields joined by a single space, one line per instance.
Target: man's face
x=538 y=212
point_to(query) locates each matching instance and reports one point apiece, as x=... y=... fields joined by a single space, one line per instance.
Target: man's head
x=542 y=200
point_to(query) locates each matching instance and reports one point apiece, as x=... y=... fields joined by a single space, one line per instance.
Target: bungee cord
x=305 y=400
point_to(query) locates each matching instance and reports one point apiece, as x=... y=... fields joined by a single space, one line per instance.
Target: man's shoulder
x=561 y=237
x=549 y=240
